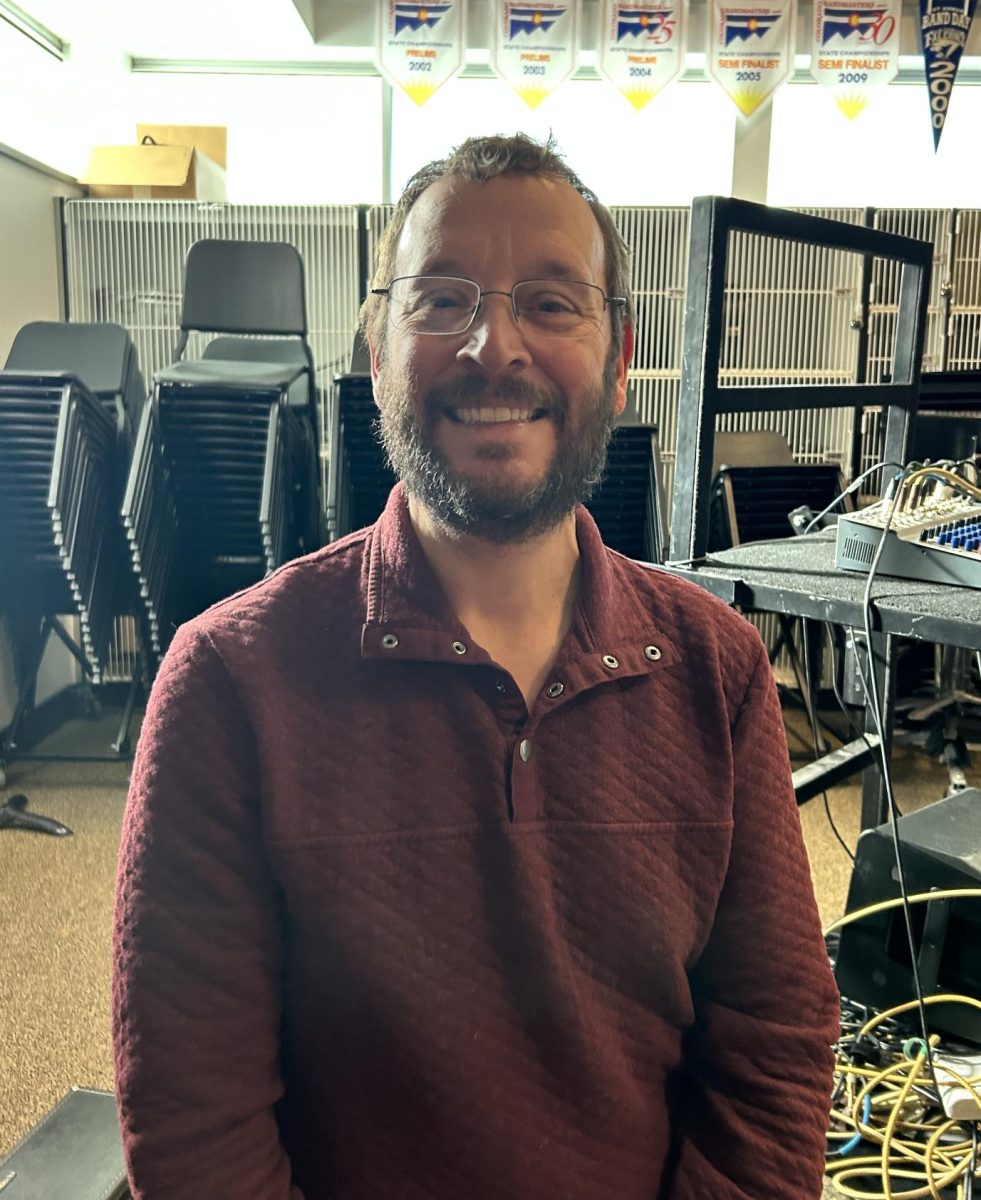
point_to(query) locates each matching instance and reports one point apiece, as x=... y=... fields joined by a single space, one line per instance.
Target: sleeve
x=197 y=949
x=756 y=1086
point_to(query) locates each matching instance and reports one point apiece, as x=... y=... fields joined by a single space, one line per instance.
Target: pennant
x=855 y=48
x=420 y=46
x=534 y=46
x=944 y=26
x=751 y=49
x=642 y=47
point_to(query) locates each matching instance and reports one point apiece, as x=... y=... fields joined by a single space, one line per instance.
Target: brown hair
x=479 y=159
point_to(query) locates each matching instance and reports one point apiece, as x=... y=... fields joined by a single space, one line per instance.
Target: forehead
x=517 y=226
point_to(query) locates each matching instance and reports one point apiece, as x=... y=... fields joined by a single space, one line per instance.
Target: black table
x=798 y=577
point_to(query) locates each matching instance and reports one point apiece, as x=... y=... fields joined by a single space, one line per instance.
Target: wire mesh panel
x=792 y=313
x=929 y=225
x=964 y=329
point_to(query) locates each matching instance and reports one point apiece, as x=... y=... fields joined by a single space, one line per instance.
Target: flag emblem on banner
x=531 y=20
x=743 y=26
x=419 y=16
x=638 y=24
x=843 y=22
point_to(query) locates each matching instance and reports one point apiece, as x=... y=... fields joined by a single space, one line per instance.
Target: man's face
x=442 y=397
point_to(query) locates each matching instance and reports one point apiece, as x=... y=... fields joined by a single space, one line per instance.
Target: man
x=461 y=858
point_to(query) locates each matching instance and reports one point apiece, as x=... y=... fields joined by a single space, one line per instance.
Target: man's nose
x=496 y=340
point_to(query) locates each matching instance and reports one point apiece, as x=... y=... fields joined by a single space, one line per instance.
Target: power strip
x=957 y=1101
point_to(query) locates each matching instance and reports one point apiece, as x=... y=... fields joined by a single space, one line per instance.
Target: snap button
x=652 y=653
x=610 y=661
x=390 y=641
x=459 y=648
x=524 y=750
x=554 y=689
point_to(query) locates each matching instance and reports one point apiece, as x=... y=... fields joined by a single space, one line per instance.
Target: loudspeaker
x=941 y=847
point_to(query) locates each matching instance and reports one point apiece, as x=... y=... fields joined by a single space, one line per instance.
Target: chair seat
x=228 y=374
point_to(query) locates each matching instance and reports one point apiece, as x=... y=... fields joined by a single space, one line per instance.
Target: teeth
x=491 y=416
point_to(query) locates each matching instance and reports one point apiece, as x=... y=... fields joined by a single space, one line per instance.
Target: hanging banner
x=642 y=47
x=855 y=47
x=944 y=26
x=534 y=46
x=751 y=49
x=420 y=46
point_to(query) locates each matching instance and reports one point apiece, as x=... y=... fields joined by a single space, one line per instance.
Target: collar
x=409 y=618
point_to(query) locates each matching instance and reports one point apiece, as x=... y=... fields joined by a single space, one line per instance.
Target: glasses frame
x=619 y=301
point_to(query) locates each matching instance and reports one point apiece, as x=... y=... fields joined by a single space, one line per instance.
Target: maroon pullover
x=383 y=934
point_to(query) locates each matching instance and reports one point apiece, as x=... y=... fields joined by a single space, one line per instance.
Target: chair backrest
x=100 y=353
x=244 y=287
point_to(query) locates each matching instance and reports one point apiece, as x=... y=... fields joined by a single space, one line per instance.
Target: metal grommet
x=524 y=750
x=652 y=653
x=554 y=689
x=459 y=648
x=610 y=661
x=390 y=641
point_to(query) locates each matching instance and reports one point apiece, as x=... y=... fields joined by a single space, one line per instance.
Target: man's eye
x=438 y=300
x=548 y=302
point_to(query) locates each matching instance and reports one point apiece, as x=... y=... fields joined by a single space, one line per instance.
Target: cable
x=879 y=466
x=917 y=898
x=878 y=716
x=812 y=717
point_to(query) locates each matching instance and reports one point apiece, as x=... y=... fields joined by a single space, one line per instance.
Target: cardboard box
x=211 y=140
x=158 y=171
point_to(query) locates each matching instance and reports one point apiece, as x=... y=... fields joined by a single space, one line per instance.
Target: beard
x=497 y=509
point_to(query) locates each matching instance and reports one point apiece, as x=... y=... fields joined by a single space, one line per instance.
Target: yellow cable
x=882 y=905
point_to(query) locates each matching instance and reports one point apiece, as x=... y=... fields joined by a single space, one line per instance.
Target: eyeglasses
x=444 y=304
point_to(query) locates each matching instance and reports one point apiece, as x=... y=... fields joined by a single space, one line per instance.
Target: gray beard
x=498 y=511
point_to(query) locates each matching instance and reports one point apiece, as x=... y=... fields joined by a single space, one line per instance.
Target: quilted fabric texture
x=383 y=933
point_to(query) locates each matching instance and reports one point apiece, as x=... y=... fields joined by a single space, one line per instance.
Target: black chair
x=629 y=505
x=66 y=396
x=224 y=486
x=101 y=353
x=359 y=477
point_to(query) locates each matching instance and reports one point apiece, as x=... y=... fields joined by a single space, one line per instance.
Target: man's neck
x=516 y=601
x=525 y=586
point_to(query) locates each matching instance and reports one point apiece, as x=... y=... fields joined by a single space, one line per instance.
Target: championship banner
x=420 y=46
x=944 y=26
x=533 y=46
x=642 y=47
x=751 y=49
x=855 y=47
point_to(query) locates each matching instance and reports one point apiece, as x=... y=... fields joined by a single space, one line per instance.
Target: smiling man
x=461 y=857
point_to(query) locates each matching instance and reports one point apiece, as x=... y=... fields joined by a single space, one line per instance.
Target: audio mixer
x=938 y=540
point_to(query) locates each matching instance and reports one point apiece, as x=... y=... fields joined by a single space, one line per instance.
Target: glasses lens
x=559 y=307
x=433 y=303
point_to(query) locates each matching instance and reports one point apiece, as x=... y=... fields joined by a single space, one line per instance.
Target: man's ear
x=375 y=355
x=623 y=363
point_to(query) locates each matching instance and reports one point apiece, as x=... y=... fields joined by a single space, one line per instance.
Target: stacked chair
x=359 y=477
x=629 y=505
x=224 y=486
x=69 y=397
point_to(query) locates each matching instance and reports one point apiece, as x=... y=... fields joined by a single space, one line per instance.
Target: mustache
x=477 y=391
